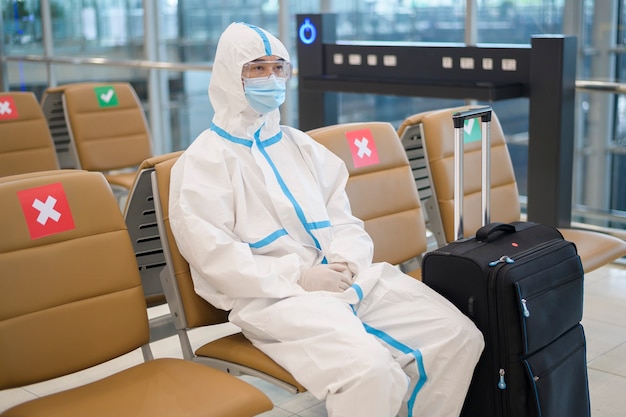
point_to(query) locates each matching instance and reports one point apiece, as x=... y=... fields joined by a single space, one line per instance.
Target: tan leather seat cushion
x=439 y=143
x=383 y=195
x=163 y=387
x=80 y=291
x=595 y=249
x=236 y=348
x=25 y=142
x=107 y=138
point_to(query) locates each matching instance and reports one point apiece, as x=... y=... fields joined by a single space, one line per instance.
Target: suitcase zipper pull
x=525 y=308
x=503 y=259
x=501 y=383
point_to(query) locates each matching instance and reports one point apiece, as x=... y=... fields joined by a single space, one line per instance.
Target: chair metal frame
x=140 y=218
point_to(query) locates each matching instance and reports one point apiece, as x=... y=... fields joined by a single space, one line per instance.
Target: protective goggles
x=264 y=69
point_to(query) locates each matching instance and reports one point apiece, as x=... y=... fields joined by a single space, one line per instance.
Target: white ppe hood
x=241 y=43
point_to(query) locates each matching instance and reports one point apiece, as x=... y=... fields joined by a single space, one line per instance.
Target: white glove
x=335 y=277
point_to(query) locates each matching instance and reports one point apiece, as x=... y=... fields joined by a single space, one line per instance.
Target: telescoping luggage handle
x=459 y=123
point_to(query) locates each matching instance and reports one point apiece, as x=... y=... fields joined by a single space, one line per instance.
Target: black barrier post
x=551 y=129
x=321 y=107
x=544 y=71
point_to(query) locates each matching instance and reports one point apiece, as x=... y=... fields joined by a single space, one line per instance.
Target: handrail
x=132 y=63
x=601 y=86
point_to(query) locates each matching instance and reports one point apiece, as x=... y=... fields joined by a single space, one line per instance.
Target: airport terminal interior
x=163 y=51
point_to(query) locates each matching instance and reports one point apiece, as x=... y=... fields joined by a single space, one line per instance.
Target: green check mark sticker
x=106 y=96
x=472 y=131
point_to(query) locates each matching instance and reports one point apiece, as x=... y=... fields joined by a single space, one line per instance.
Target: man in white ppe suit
x=260 y=213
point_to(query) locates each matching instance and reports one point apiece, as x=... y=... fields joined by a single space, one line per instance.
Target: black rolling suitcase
x=522 y=285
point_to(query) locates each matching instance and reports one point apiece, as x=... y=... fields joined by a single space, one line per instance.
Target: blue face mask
x=265 y=94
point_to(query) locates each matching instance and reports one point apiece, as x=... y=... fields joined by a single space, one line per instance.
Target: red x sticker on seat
x=362 y=147
x=7 y=108
x=46 y=210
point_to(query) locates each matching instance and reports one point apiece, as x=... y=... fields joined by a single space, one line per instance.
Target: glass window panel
x=618 y=177
x=21 y=27
x=508 y=21
x=191 y=111
x=26 y=76
x=411 y=21
x=618 y=191
x=188 y=31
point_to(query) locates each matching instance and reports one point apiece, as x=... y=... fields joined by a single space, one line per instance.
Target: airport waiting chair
x=381 y=190
x=232 y=353
x=99 y=127
x=429 y=165
x=71 y=298
x=434 y=131
x=25 y=141
x=140 y=219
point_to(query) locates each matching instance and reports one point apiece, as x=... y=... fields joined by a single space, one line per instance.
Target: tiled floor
x=604 y=321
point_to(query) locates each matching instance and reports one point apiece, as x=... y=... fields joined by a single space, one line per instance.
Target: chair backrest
x=97 y=126
x=70 y=292
x=140 y=218
x=380 y=187
x=188 y=308
x=25 y=141
x=437 y=135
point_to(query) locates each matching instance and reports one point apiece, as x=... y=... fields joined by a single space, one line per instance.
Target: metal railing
x=132 y=63
x=601 y=86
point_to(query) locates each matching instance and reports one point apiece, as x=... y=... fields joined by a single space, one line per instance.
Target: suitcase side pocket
x=558 y=377
x=548 y=307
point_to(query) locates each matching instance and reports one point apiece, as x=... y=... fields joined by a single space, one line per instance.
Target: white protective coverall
x=253 y=206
